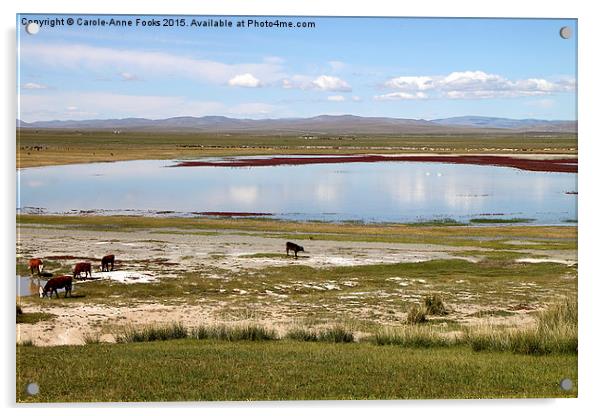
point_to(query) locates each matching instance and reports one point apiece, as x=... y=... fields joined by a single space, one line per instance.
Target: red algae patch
x=541 y=165
x=232 y=214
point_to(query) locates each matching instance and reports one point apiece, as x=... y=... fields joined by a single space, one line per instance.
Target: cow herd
x=81 y=270
x=84 y=268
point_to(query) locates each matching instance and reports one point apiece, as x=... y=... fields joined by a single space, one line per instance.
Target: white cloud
x=472 y=85
x=33 y=86
x=244 y=80
x=356 y=98
x=411 y=83
x=401 y=96
x=95 y=59
x=322 y=82
x=330 y=83
x=297 y=81
x=84 y=105
x=128 y=76
x=338 y=98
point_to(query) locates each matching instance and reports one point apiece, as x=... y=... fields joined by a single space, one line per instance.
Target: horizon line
x=290 y=118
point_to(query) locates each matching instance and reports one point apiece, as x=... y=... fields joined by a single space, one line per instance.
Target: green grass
x=443 y=222
x=336 y=333
x=151 y=333
x=552 y=237
x=76 y=146
x=34 y=317
x=232 y=333
x=412 y=336
x=182 y=370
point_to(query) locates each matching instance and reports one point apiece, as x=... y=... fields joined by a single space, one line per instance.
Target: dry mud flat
x=154 y=256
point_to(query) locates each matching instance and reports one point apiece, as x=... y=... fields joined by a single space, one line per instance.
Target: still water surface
x=372 y=192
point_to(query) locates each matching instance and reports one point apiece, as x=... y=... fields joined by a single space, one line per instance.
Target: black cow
x=293 y=247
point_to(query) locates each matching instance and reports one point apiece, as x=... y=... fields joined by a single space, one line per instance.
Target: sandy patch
x=124 y=276
x=548 y=260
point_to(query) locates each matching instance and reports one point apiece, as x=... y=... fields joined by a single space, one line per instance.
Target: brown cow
x=82 y=267
x=36 y=264
x=60 y=282
x=106 y=260
x=293 y=247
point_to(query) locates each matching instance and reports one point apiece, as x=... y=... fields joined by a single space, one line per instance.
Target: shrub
x=19 y=310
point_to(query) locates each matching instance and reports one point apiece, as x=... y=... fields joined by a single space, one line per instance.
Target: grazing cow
x=293 y=247
x=36 y=264
x=60 y=282
x=83 y=267
x=106 y=260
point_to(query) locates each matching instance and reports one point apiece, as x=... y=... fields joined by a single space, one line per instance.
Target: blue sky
x=393 y=67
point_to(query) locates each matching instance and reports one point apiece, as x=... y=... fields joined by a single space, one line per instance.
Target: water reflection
x=29 y=285
x=387 y=191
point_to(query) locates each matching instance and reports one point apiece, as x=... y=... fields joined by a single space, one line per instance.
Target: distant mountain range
x=324 y=124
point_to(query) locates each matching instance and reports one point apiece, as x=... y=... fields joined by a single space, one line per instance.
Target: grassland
x=286 y=370
x=56 y=147
x=545 y=237
x=482 y=334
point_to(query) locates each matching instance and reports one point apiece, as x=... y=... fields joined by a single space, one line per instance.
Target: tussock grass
x=19 y=310
x=26 y=343
x=302 y=334
x=433 y=303
x=556 y=332
x=416 y=315
x=335 y=334
x=414 y=336
x=91 y=338
x=246 y=332
x=152 y=333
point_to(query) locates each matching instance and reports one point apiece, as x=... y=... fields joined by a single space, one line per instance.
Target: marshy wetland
x=436 y=298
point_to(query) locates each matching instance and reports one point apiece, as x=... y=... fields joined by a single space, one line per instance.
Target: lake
x=370 y=192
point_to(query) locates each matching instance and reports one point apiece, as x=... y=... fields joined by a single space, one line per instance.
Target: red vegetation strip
x=549 y=165
x=233 y=214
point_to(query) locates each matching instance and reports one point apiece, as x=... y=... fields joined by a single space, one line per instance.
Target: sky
x=419 y=68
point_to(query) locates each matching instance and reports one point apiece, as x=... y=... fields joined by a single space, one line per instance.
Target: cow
x=106 y=260
x=60 y=282
x=293 y=247
x=37 y=265
x=82 y=267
